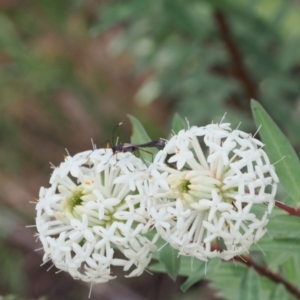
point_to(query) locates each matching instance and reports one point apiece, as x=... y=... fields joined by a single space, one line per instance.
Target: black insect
x=126 y=147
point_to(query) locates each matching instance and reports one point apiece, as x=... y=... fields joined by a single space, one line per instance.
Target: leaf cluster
x=208 y=57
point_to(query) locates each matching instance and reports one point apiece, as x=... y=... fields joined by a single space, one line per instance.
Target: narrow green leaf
x=169 y=257
x=288 y=201
x=278 y=293
x=227 y=279
x=287 y=245
x=275 y=260
x=213 y=265
x=188 y=265
x=178 y=123
x=195 y=276
x=157 y=267
x=250 y=286
x=284 y=226
x=291 y=270
x=140 y=136
x=201 y=272
x=278 y=147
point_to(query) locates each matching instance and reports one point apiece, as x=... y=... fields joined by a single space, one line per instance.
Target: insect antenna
x=113 y=135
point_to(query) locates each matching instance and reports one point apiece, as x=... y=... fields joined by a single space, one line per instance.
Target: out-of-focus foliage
x=52 y=70
x=13 y=297
x=59 y=88
x=211 y=57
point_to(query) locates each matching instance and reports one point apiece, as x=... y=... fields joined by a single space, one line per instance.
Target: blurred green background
x=71 y=70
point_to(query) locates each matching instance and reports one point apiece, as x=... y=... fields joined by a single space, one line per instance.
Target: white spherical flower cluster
x=209 y=191
x=94 y=210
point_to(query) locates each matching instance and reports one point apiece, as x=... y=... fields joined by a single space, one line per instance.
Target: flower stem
x=290 y=210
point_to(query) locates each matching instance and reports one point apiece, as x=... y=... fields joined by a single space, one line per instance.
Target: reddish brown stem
x=237 y=61
x=263 y=271
x=290 y=210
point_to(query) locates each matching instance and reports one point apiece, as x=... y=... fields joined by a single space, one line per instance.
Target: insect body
x=126 y=147
x=134 y=148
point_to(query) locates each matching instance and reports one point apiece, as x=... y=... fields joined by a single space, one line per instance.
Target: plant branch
x=290 y=210
x=263 y=271
x=238 y=66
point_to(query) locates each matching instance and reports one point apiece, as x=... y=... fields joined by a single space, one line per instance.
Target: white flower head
x=217 y=178
x=93 y=207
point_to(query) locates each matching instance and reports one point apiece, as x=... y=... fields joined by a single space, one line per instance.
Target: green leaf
x=288 y=201
x=189 y=265
x=112 y=14
x=290 y=269
x=278 y=147
x=170 y=259
x=179 y=15
x=226 y=280
x=157 y=267
x=178 y=123
x=250 y=286
x=278 y=293
x=196 y=276
x=140 y=136
x=278 y=245
x=275 y=260
x=200 y=272
x=284 y=226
